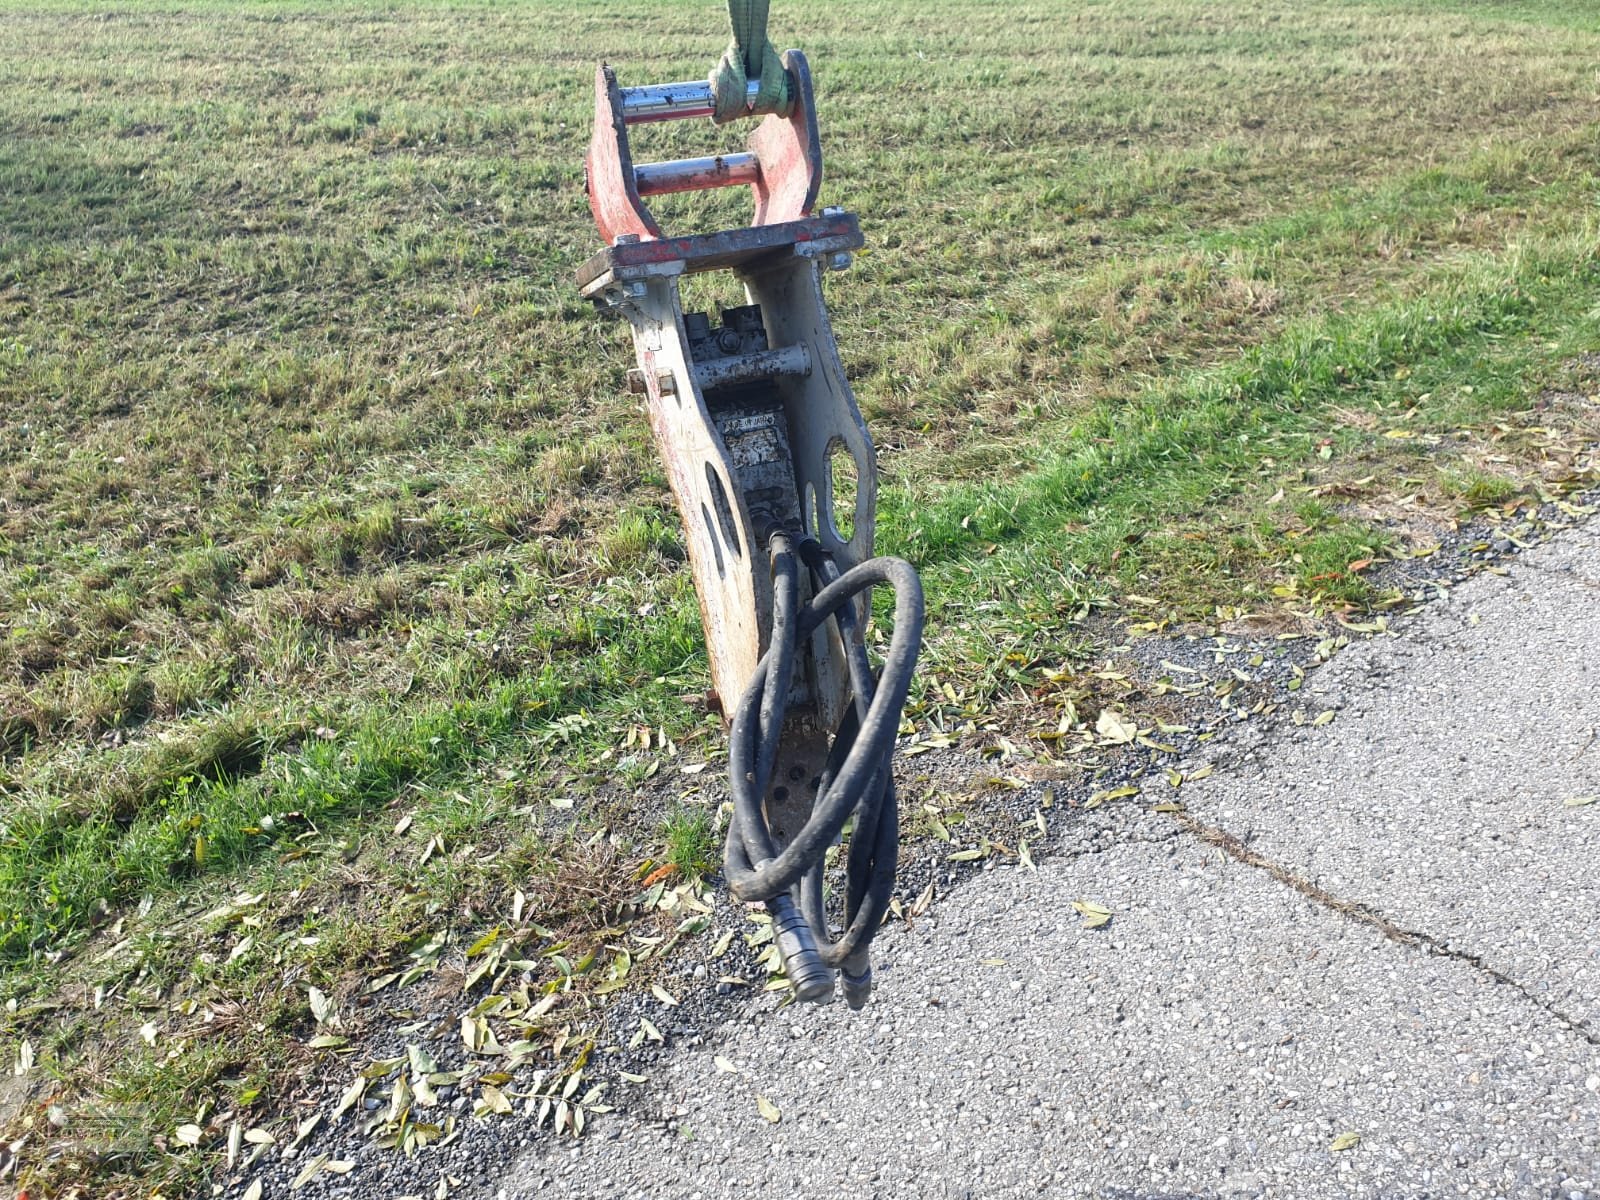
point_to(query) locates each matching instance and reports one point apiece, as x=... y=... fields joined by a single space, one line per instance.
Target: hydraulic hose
x=855 y=782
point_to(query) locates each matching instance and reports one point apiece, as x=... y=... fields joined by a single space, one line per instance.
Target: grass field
x=335 y=564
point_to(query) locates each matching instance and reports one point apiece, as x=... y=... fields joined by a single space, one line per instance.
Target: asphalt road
x=1385 y=926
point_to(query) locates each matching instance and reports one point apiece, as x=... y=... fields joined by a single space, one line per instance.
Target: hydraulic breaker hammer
x=751 y=416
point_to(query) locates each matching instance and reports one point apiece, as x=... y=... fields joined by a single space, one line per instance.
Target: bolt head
x=839 y=262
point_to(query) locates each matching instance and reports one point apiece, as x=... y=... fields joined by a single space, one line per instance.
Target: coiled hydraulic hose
x=857 y=779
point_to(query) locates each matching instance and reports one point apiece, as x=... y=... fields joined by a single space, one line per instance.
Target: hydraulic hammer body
x=752 y=417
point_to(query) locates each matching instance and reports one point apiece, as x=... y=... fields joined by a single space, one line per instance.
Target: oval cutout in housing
x=724 y=510
x=843 y=481
x=716 y=542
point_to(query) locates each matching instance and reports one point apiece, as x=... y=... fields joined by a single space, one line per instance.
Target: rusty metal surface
x=758 y=449
x=822 y=414
x=744 y=449
x=696 y=174
x=745 y=368
x=790 y=153
x=730 y=249
x=801 y=756
x=731 y=579
x=783 y=165
x=608 y=175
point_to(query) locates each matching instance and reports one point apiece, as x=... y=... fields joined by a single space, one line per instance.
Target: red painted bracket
x=785 y=158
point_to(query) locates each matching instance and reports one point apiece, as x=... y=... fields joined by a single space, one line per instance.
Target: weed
x=690 y=841
x=1478 y=488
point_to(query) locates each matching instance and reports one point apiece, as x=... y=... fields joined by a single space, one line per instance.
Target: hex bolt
x=833 y=210
x=636 y=382
x=840 y=261
x=666 y=383
x=626 y=239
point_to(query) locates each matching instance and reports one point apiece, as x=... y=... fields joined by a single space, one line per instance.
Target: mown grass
x=321 y=502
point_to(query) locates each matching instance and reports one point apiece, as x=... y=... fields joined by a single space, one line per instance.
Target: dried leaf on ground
x=492 y=1101
x=1117 y=793
x=303 y=1130
x=308 y=1172
x=321 y=1007
x=1114 y=728
x=1094 y=914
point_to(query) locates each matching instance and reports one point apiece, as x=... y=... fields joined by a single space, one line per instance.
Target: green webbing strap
x=749 y=55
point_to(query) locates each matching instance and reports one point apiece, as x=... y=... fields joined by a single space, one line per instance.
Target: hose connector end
x=856 y=986
x=797 y=946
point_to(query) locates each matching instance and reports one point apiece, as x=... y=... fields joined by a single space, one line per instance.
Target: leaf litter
x=572 y=976
x=528 y=1023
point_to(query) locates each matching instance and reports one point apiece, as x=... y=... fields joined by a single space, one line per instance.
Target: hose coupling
x=855 y=979
x=797 y=946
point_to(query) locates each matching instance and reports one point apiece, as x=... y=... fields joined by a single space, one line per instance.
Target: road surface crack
x=1352 y=910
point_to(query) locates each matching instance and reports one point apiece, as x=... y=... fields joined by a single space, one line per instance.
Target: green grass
x=691 y=841
x=335 y=562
